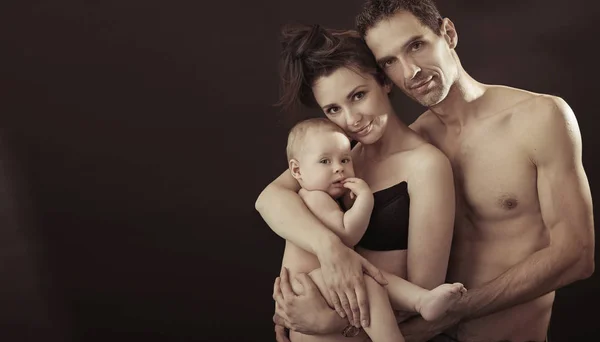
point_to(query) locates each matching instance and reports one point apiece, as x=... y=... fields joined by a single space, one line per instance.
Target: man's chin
x=431 y=99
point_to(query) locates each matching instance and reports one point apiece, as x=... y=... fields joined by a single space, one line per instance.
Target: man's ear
x=449 y=33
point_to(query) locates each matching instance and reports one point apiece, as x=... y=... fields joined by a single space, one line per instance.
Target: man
x=524 y=222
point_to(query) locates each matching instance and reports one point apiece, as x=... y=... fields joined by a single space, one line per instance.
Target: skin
x=524 y=222
x=388 y=153
x=323 y=167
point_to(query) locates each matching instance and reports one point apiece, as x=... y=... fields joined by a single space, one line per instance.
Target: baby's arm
x=349 y=226
x=358 y=216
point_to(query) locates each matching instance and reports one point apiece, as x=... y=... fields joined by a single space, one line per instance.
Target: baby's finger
x=349 y=185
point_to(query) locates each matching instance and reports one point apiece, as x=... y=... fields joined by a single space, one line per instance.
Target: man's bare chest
x=493 y=175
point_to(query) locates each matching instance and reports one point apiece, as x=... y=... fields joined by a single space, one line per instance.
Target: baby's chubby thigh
x=371 y=286
x=317 y=278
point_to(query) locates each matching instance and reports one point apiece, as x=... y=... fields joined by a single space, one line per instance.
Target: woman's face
x=356 y=102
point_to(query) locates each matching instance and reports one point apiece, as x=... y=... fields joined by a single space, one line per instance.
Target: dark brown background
x=136 y=136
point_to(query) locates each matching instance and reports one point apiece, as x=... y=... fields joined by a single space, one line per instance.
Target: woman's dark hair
x=310 y=52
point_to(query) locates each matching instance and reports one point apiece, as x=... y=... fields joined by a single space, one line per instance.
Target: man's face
x=417 y=60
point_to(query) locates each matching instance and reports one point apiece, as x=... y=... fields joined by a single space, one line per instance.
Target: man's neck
x=462 y=102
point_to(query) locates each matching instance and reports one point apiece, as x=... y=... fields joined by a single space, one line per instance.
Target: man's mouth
x=421 y=84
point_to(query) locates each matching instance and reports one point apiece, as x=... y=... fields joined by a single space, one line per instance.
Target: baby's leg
x=383 y=325
x=433 y=304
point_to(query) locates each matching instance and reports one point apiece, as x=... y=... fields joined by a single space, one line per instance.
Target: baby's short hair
x=299 y=131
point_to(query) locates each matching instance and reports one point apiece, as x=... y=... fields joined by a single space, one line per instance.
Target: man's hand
x=281 y=333
x=305 y=312
x=342 y=270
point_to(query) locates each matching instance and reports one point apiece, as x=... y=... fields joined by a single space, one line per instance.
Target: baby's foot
x=435 y=304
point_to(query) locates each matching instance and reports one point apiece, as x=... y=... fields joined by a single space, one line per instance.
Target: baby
x=320 y=159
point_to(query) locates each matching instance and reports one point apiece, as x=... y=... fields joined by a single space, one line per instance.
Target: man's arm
x=566 y=207
x=305 y=312
x=285 y=213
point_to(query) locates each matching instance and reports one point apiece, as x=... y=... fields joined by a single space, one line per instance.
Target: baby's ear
x=295 y=168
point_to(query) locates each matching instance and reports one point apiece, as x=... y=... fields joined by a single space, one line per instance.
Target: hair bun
x=307 y=41
x=297 y=40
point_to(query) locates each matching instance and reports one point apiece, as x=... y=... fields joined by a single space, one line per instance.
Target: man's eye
x=359 y=95
x=416 y=46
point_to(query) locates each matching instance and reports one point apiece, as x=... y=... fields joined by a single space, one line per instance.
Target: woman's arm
x=431 y=224
x=286 y=214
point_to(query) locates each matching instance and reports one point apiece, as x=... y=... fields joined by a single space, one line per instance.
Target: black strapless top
x=388 y=226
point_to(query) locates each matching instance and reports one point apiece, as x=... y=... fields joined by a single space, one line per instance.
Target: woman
x=411 y=226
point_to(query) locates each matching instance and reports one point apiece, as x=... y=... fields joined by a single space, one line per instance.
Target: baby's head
x=319 y=157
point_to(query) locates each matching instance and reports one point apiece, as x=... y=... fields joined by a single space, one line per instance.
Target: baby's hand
x=357 y=186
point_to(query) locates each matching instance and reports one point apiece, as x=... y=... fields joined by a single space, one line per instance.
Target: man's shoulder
x=528 y=110
x=541 y=110
x=544 y=121
x=500 y=100
x=524 y=102
x=552 y=116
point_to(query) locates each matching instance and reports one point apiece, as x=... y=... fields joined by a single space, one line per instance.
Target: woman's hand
x=342 y=270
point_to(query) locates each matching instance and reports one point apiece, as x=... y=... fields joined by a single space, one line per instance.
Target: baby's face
x=324 y=161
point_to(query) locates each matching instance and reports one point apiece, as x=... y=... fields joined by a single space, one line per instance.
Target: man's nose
x=410 y=69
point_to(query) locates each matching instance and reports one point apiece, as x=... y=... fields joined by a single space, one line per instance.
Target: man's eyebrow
x=404 y=46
